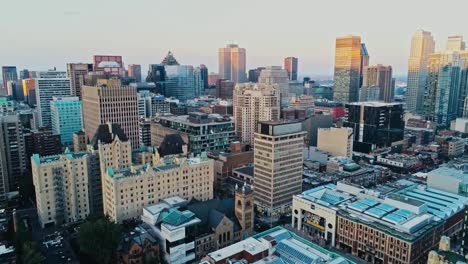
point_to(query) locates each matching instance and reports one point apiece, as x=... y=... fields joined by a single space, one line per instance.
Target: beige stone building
x=110 y=102
x=278 y=160
x=61 y=185
x=336 y=141
x=127 y=190
x=253 y=103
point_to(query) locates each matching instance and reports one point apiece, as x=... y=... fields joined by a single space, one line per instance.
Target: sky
x=39 y=35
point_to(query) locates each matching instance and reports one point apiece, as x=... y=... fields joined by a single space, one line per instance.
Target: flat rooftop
x=374 y=104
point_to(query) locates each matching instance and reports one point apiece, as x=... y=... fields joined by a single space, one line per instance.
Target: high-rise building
x=213 y=78
x=144 y=132
x=253 y=103
x=9 y=73
x=79 y=141
x=61 y=185
x=47 y=85
x=376 y=125
x=422 y=44
x=455 y=43
x=278 y=160
x=134 y=71
x=204 y=76
x=12 y=154
x=67 y=117
x=442 y=87
x=14 y=89
x=336 y=141
x=290 y=65
x=379 y=76
x=370 y=94
x=24 y=74
x=157 y=75
x=231 y=63
x=347 y=68
x=224 y=89
x=254 y=74
x=111 y=103
x=76 y=73
x=182 y=82
x=364 y=62
x=111 y=65
x=279 y=76
x=42 y=142
x=169 y=60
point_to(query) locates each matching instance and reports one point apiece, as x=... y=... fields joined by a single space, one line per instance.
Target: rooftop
x=185 y=119
x=374 y=104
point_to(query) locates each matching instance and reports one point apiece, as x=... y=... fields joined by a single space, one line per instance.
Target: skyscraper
x=347 y=68
x=204 y=76
x=157 y=75
x=9 y=74
x=112 y=65
x=442 y=87
x=380 y=76
x=422 y=44
x=24 y=74
x=278 y=160
x=254 y=74
x=111 y=103
x=182 y=82
x=364 y=62
x=279 y=76
x=231 y=63
x=455 y=43
x=253 y=103
x=66 y=115
x=48 y=84
x=76 y=73
x=134 y=71
x=290 y=65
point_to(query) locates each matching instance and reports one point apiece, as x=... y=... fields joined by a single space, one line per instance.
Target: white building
x=47 y=85
x=277 y=75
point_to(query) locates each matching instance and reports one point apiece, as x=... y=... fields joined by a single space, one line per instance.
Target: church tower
x=244 y=209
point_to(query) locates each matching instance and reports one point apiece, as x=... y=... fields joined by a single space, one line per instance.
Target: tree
x=30 y=255
x=99 y=239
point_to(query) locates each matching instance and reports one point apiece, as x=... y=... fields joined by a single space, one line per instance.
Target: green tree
x=99 y=239
x=30 y=255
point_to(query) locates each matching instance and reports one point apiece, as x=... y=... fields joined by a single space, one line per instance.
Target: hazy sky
x=41 y=34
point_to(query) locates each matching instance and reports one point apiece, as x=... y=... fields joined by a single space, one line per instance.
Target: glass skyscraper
x=347 y=69
x=67 y=117
x=182 y=82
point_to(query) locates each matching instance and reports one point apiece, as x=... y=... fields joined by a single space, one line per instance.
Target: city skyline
x=314 y=45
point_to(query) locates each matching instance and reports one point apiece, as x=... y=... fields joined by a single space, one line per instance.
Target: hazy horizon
x=143 y=31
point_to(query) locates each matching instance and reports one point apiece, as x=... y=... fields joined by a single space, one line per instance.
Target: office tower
x=47 y=85
x=364 y=62
x=370 y=94
x=29 y=91
x=144 y=132
x=376 y=125
x=169 y=60
x=224 y=89
x=66 y=114
x=455 y=43
x=9 y=74
x=152 y=105
x=24 y=74
x=14 y=89
x=204 y=76
x=336 y=141
x=111 y=103
x=318 y=120
x=42 y=142
x=442 y=87
x=12 y=154
x=128 y=191
x=276 y=75
x=134 y=71
x=254 y=74
x=76 y=73
x=379 y=76
x=422 y=44
x=347 y=68
x=290 y=65
x=253 y=103
x=231 y=63
x=213 y=78
x=111 y=65
x=61 y=183
x=157 y=75
x=278 y=160
x=182 y=82
x=204 y=132
x=79 y=141
x=463 y=94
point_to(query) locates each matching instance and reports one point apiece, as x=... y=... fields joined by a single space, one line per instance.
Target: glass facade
x=66 y=114
x=183 y=82
x=347 y=69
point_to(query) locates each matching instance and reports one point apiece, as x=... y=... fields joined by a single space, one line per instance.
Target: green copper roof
x=175 y=217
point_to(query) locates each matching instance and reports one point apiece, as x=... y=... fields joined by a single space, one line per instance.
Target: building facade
x=336 y=141
x=231 y=63
x=276 y=75
x=278 y=160
x=134 y=71
x=379 y=76
x=183 y=82
x=76 y=73
x=347 y=69
x=253 y=103
x=67 y=117
x=290 y=65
